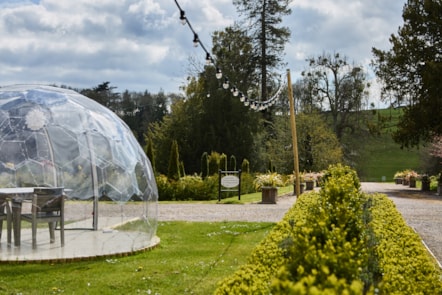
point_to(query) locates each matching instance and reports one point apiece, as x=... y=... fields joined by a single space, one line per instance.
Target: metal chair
x=5 y=214
x=47 y=206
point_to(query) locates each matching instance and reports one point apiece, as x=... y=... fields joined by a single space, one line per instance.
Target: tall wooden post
x=294 y=136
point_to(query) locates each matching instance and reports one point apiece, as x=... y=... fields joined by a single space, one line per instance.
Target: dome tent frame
x=51 y=136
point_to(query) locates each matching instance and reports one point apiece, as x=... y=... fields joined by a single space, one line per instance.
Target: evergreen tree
x=150 y=152
x=245 y=166
x=214 y=159
x=174 y=162
x=232 y=164
x=223 y=162
x=262 y=21
x=204 y=165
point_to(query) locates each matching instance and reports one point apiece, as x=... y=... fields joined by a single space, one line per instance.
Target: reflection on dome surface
x=59 y=138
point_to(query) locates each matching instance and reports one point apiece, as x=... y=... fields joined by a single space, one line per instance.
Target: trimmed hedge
x=338 y=241
x=406 y=266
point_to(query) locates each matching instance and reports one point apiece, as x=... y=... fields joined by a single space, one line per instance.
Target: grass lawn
x=191 y=258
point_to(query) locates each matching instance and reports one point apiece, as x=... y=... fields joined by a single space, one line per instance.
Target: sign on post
x=229 y=181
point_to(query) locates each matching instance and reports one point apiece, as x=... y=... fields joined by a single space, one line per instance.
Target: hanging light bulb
x=208 y=59
x=226 y=83
x=246 y=103
x=242 y=97
x=218 y=74
x=195 y=40
x=235 y=91
x=183 y=18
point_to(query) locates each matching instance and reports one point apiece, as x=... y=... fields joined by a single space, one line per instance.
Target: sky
x=140 y=45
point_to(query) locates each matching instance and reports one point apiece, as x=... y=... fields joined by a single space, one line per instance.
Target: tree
x=262 y=22
x=318 y=146
x=174 y=169
x=338 y=87
x=412 y=72
x=104 y=94
x=150 y=152
x=217 y=122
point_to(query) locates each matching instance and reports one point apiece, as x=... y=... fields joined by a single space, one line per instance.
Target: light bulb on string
x=208 y=59
x=183 y=18
x=226 y=83
x=219 y=73
x=235 y=91
x=242 y=97
x=195 y=40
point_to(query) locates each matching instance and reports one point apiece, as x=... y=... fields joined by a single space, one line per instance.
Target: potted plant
x=398 y=177
x=268 y=185
x=412 y=176
x=309 y=179
x=301 y=183
x=425 y=179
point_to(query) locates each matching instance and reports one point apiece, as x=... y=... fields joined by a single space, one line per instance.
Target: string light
x=196 y=40
x=253 y=104
x=226 y=83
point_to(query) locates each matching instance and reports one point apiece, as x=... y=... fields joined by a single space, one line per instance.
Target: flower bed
x=338 y=241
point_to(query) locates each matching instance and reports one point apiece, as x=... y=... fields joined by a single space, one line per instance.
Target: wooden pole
x=294 y=136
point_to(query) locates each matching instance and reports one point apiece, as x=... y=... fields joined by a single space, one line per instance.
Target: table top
x=18 y=190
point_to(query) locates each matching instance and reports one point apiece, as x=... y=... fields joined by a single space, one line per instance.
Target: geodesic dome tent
x=56 y=137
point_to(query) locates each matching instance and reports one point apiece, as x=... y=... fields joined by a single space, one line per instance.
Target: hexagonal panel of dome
x=54 y=137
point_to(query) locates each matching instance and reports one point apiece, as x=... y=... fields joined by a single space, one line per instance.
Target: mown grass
x=380 y=156
x=191 y=258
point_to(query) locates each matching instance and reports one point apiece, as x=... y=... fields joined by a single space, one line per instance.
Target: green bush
x=247 y=185
x=406 y=265
x=166 y=189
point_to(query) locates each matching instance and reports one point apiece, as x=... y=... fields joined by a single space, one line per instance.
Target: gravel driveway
x=422 y=211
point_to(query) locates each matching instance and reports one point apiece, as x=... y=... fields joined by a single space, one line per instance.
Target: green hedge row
x=338 y=241
x=194 y=187
x=406 y=266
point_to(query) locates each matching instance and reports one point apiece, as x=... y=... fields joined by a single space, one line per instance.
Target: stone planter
x=269 y=195
x=398 y=180
x=425 y=185
x=412 y=182
x=309 y=185
x=301 y=188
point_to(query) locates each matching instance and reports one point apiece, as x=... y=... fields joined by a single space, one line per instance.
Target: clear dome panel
x=56 y=137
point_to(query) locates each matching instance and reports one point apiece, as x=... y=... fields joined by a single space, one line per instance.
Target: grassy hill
x=380 y=157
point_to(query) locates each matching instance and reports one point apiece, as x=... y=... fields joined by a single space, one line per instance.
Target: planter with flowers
x=268 y=185
x=301 y=184
x=425 y=179
x=309 y=179
x=398 y=177
x=411 y=178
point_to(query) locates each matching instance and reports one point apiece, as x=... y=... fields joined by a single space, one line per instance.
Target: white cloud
x=139 y=44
